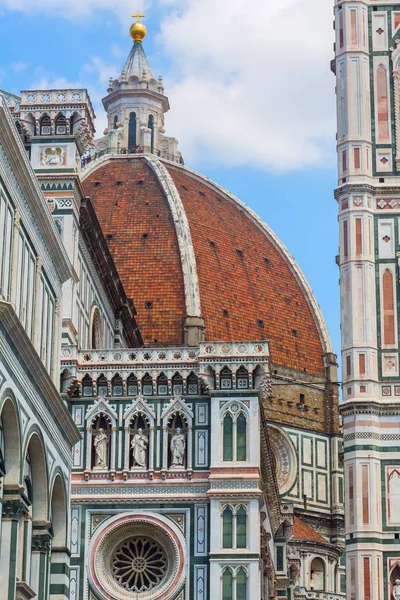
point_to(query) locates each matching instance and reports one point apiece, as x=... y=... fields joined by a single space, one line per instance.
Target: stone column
x=41 y=545
x=37 y=310
x=59 y=574
x=14 y=259
x=55 y=366
x=12 y=512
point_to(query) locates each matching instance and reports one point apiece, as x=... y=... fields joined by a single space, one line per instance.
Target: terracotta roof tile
x=302 y=531
x=247 y=288
x=243 y=272
x=143 y=244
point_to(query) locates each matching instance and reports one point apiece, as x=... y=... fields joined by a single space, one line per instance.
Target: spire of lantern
x=136 y=105
x=138 y=30
x=137 y=63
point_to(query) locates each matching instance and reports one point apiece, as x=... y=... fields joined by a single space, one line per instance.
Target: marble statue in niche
x=177 y=447
x=139 y=447
x=101 y=449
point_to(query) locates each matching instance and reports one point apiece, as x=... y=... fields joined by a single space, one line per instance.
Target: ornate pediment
x=177 y=404
x=101 y=406
x=139 y=405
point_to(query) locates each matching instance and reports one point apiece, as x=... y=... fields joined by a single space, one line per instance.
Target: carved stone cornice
x=370 y=407
x=365 y=188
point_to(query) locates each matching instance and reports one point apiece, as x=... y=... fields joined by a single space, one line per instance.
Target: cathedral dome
x=185 y=247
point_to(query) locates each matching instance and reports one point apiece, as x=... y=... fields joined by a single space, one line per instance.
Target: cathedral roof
x=137 y=63
x=184 y=246
x=302 y=531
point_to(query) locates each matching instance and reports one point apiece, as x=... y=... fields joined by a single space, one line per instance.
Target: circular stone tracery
x=285 y=459
x=137 y=555
x=139 y=564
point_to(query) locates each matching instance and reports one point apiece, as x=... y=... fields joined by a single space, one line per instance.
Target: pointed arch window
x=61 y=125
x=87 y=386
x=147 y=385
x=234 y=527
x=234 y=434
x=150 y=125
x=241 y=584
x=162 y=385
x=242 y=379
x=132 y=385
x=45 y=125
x=132 y=133
x=177 y=385
x=241 y=527
x=102 y=386
x=192 y=384
x=227 y=528
x=227 y=584
x=73 y=122
x=226 y=379
x=234 y=586
x=228 y=437
x=241 y=435
x=117 y=386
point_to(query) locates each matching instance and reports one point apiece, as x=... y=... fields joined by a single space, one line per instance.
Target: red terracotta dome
x=184 y=246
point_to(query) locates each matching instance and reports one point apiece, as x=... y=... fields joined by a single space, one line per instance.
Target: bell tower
x=367 y=68
x=136 y=106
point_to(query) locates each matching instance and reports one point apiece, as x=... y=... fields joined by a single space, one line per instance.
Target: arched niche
x=317 y=574
x=96 y=329
x=100 y=415
x=177 y=415
x=11 y=442
x=37 y=458
x=139 y=415
x=100 y=449
x=394 y=577
x=58 y=512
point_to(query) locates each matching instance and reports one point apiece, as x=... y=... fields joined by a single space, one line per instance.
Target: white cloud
x=250 y=81
x=69 y=8
x=19 y=66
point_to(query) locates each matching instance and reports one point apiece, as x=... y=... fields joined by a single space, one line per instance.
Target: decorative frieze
x=142 y=490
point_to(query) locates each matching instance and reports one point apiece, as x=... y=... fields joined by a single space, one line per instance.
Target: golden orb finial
x=138 y=30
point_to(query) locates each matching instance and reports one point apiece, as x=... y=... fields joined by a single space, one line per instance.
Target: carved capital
x=13 y=509
x=41 y=542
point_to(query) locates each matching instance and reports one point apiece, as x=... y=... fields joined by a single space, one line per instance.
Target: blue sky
x=252 y=99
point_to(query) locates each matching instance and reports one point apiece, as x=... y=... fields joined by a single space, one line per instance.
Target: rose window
x=139 y=564
x=139 y=555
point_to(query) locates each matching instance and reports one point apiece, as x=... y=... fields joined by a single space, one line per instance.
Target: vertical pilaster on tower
x=366 y=64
